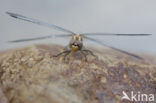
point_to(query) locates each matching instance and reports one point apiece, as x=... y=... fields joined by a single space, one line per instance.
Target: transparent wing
x=125 y=52
x=35 y=21
x=113 y=34
x=40 y=38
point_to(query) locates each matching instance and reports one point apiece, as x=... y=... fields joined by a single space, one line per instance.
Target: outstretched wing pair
x=85 y=35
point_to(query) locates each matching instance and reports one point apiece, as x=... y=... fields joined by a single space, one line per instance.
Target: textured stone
x=33 y=75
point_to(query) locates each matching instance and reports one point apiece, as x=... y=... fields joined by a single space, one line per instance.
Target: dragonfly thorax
x=77 y=37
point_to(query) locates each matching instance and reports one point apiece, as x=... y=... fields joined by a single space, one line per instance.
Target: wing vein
x=101 y=43
x=35 y=21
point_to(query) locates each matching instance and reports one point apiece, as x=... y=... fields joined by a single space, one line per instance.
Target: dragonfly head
x=76 y=42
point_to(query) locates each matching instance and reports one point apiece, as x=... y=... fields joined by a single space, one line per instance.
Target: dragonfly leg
x=84 y=55
x=89 y=51
x=67 y=53
x=64 y=52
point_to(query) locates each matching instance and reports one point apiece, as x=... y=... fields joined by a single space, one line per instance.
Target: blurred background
x=109 y=16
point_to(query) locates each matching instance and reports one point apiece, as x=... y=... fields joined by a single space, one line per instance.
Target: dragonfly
x=76 y=42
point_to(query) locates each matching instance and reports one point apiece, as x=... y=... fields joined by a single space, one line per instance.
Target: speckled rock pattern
x=33 y=75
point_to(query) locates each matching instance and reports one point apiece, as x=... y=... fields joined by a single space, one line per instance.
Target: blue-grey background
x=112 y=16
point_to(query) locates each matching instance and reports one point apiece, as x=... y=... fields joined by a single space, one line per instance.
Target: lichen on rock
x=33 y=75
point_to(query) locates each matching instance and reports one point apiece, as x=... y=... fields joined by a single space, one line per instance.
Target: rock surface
x=33 y=75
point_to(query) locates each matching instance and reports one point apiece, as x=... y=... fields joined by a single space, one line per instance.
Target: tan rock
x=32 y=75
